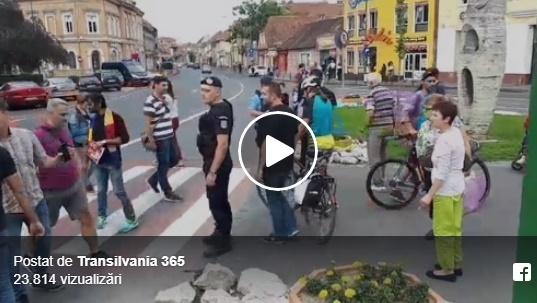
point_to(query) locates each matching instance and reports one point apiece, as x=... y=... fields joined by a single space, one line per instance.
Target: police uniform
x=217 y=121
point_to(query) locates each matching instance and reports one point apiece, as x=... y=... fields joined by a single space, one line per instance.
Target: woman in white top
x=174 y=111
x=446 y=192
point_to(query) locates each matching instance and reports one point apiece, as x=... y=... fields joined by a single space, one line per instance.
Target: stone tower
x=481 y=47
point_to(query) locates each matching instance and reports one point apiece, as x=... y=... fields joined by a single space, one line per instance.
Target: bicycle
x=401 y=179
x=320 y=196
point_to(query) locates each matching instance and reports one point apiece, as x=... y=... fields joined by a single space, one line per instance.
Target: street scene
x=301 y=151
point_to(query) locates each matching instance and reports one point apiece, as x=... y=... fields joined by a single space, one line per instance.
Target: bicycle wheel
x=392 y=184
x=479 y=171
x=327 y=212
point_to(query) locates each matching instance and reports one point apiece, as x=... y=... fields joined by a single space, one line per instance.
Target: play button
x=276 y=151
x=281 y=154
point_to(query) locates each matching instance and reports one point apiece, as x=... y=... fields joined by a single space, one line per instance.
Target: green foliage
x=26 y=43
x=375 y=284
x=253 y=16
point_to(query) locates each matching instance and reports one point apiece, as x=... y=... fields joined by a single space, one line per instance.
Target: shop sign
x=416 y=39
x=381 y=36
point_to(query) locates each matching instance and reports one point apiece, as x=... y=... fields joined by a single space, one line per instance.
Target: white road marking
x=128 y=175
x=138 y=140
x=141 y=204
x=190 y=222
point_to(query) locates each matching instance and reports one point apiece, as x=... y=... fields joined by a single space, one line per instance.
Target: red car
x=23 y=94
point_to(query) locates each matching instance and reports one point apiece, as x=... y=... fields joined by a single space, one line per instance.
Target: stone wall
x=480 y=62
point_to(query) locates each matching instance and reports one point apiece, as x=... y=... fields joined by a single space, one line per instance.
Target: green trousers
x=447 y=227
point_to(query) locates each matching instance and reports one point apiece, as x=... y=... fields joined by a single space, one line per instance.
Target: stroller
x=520 y=162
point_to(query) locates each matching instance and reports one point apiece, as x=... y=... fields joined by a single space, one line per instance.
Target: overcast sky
x=189 y=20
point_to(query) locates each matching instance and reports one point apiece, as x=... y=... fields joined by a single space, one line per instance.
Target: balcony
x=422 y=27
x=361 y=32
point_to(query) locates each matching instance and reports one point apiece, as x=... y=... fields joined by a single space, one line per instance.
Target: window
x=350 y=58
x=373 y=19
x=67 y=23
x=415 y=62
x=352 y=26
x=71 y=60
x=305 y=58
x=93 y=21
x=110 y=26
x=422 y=18
x=50 y=24
x=401 y=19
x=362 y=24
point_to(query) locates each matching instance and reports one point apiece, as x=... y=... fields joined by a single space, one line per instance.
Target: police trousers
x=219 y=201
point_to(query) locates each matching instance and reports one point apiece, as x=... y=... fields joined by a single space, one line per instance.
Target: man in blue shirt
x=318 y=108
x=257 y=104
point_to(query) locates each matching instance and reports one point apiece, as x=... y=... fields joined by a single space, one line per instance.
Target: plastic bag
x=475 y=187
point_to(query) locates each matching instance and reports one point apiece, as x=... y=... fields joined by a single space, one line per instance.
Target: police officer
x=213 y=141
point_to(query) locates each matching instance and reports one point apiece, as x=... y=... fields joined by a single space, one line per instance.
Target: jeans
x=219 y=202
x=166 y=159
x=42 y=245
x=283 y=217
x=103 y=173
x=6 y=289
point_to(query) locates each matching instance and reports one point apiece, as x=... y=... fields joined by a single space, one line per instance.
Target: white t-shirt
x=448 y=162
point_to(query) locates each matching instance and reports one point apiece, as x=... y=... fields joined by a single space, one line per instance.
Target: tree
x=26 y=43
x=253 y=17
x=402 y=24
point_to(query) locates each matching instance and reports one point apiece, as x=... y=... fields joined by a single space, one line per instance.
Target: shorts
x=74 y=200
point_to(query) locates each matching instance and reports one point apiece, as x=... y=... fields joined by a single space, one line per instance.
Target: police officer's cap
x=212 y=81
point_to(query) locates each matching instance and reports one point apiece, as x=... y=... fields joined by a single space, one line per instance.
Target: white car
x=206 y=69
x=61 y=88
x=256 y=71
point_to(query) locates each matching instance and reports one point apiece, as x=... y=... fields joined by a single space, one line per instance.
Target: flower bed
x=362 y=283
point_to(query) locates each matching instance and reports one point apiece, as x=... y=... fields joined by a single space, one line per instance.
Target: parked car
x=20 y=94
x=90 y=83
x=110 y=79
x=206 y=69
x=133 y=72
x=61 y=88
x=196 y=66
x=255 y=71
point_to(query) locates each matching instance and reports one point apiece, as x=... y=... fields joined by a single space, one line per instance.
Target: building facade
x=521 y=45
x=151 y=52
x=92 y=31
x=167 y=48
x=372 y=30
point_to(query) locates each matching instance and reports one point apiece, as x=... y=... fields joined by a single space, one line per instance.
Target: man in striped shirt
x=380 y=108
x=159 y=131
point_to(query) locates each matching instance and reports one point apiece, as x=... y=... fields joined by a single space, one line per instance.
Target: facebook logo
x=521 y=272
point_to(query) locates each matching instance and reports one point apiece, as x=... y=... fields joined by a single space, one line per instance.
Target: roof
x=316 y=9
x=280 y=28
x=307 y=37
x=220 y=36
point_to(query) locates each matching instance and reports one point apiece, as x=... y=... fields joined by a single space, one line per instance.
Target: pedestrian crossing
x=157 y=218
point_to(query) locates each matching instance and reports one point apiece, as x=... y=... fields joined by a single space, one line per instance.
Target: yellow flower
x=336 y=301
x=357 y=264
x=336 y=287
x=346 y=279
x=303 y=280
x=330 y=273
x=358 y=277
x=387 y=281
x=323 y=294
x=375 y=283
x=350 y=293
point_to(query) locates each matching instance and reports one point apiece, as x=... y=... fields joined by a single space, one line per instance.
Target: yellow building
x=372 y=29
x=521 y=50
x=92 y=31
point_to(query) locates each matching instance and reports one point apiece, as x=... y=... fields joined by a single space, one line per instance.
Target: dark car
x=110 y=79
x=196 y=66
x=133 y=72
x=18 y=94
x=90 y=83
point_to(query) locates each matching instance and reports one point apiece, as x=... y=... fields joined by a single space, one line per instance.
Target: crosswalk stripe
x=190 y=222
x=141 y=204
x=128 y=175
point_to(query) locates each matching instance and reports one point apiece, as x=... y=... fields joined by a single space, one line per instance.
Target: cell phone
x=64 y=150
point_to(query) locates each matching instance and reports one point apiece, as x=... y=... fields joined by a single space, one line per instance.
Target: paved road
x=364 y=232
